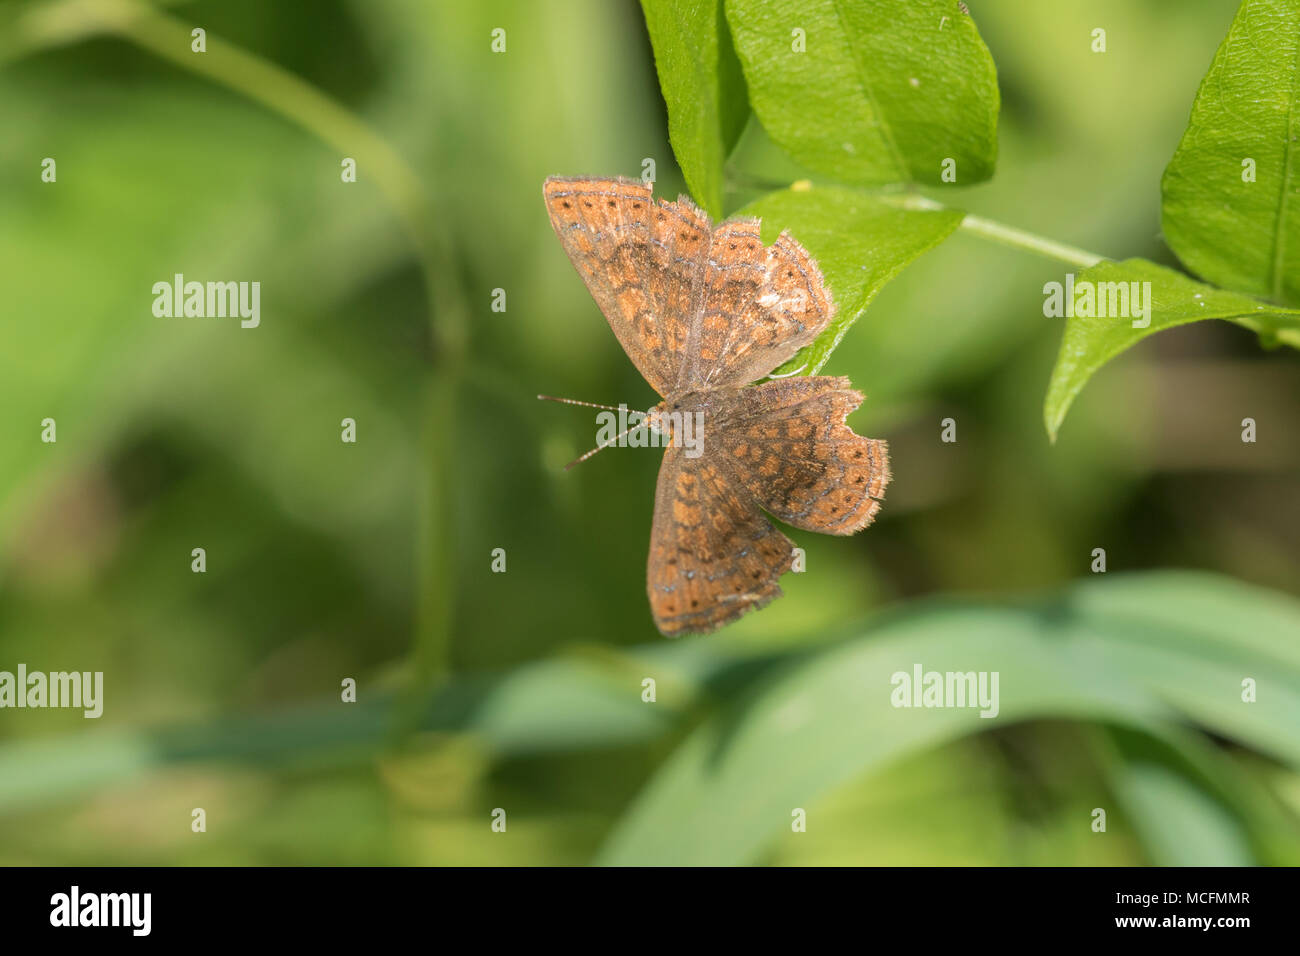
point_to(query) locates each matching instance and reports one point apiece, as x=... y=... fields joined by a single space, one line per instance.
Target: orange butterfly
x=702 y=311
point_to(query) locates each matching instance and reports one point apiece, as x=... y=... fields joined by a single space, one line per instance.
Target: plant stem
x=1006 y=235
x=1020 y=239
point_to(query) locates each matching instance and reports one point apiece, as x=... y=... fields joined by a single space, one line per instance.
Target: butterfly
x=703 y=311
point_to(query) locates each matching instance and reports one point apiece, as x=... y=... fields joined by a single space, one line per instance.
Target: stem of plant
x=1006 y=235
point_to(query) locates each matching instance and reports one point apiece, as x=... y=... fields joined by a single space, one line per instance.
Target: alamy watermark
x=922 y=688
x=74 y=689
x=662 y=428
x=1087 y=299
x=214 y=300
x=128 y=910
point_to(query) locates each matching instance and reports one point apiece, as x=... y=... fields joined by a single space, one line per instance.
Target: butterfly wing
x=785 y=442
x=693 y=306
x=759 y=305
x=642 y=261
x=713 y=554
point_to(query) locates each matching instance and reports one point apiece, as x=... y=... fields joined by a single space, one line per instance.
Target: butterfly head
x=656 y=419
x=678 y=423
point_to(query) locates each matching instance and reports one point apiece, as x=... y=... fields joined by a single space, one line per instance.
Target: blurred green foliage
x=522 y=690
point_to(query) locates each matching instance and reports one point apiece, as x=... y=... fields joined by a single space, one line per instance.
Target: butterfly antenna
x=611 y=408
x=613 y=441
x=574 y=401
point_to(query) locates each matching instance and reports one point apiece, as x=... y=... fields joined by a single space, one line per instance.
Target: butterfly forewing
x=713 y=554
x=645 y=284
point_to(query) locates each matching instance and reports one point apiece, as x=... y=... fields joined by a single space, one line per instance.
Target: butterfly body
x=703 y=311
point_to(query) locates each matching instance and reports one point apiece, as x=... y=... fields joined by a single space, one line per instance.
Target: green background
x=522 y=690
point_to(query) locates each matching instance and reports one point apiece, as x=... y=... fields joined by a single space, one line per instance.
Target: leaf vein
x=886 y=132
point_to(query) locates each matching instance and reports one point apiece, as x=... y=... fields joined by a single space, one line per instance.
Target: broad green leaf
x=1179 y=822
x=560 y=705
x=873 y=91
x=1128 y=649
x=1092 y=341
x=1120 y=650
x=703 y=88
x=1231 y=208
x=859 y=241
x=1227 y=786
x=1186 y=800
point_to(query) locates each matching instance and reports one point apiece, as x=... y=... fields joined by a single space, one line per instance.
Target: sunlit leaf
x=1231 y=208
x=874 y=91
x=703 y=87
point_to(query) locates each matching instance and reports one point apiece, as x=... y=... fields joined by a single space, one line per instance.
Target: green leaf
x=703 y=88
x=883 y=92
x=1180 y=823
x=859 y=241
x=1124 y=650
x=1188 y=802
x=1237 y=234
x=1142 y=649
x=560 y=705
x=1091 y=342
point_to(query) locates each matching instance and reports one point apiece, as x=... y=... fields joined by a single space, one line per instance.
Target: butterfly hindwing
x=787 y=445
